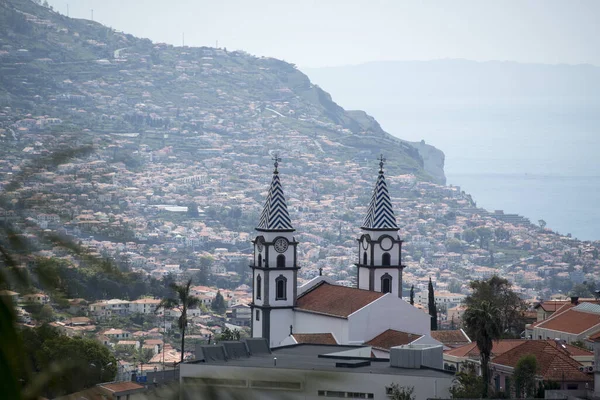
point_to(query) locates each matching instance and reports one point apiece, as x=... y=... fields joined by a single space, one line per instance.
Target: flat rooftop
x=340 y=358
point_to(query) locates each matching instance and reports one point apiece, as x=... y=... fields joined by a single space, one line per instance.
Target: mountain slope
x=52 y=65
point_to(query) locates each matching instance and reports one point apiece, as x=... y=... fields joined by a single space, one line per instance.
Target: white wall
x=387 y=312
x=280 y=325
x=260 y=301
x=394 y=273
x=314 y=323
x=363 y=274
x=312 y=381
x=257 y=325
x=289 y=275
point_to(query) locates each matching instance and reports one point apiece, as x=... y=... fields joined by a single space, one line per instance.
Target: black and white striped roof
x=380 y=215
x=275 y=216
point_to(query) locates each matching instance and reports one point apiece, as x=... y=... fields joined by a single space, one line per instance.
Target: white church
x=282 y=311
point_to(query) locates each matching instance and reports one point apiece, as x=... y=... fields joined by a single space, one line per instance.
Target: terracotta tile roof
x=454 y=338
x=122 y=386
x=502 y=346
x=595 y=337
x=391 y=338
x=553 y=363
x=499 y=347
x=340 y=301
x=551 y=306
x=314 y=338
x=571 y=321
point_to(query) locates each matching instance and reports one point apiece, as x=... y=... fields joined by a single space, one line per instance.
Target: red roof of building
x=314 y=338
x=595 y=337
x=502 y=346
x=499 y=347
x=553 y=362
x=122 y=386
x=391 y=338
x=339 y=301
x=571 y=321
x=452 y=338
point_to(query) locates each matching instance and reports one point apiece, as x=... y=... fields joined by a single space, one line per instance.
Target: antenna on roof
x=92 y=10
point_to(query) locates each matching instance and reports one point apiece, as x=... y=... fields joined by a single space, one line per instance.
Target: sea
x=538 y=158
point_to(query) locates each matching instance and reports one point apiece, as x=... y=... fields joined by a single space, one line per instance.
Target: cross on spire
x=381 y=162
x=276 y=158
x=380 y=214
x=275 y=216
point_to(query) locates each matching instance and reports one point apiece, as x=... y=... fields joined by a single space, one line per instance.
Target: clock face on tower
x=386 y=243
x=281 y=245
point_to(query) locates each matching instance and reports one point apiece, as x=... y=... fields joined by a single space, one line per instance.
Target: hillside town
x=168 y=186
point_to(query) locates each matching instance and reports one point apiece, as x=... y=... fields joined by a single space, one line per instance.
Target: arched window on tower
x=260 y=260
x=281 y=261
x=258 y=315
x=280 y=286
x=386 y=283
x=365 y=258
x=258 y=287
x=386 y=259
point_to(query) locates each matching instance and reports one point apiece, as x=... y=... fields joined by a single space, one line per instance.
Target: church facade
x=281 y=309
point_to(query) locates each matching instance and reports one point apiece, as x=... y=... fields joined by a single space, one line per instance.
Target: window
x=386 y=259
x=258 y=287
x=280 y=285
x=345 y=395
x=386 y=283
x=258 y=315
x=276 y=385
x=260 y=260
x=365 y=258
x=281 y=261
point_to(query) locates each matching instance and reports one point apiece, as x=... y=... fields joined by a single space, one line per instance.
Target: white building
x=250 y=369
x=352 y=315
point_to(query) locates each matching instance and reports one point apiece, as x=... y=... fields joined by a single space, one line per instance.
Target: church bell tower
x=379 y=264
x=274 y=267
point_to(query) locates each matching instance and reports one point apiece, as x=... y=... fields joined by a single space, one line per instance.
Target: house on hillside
x=554 y=364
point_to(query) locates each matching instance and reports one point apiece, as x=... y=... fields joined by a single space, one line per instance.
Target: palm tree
x=183 y=302
x=484 y=320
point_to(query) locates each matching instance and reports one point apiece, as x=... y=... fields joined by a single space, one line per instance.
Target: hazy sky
x=314 y=33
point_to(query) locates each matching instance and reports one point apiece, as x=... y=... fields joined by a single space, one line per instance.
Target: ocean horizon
x=568 y=204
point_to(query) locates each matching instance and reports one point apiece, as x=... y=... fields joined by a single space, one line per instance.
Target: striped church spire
x=380 y=215
x=275 y=216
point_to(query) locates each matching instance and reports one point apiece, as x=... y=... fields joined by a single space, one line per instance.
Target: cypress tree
x=412 y=295
x=432 y=307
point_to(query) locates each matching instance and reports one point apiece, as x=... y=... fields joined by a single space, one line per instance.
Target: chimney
x=575 y=300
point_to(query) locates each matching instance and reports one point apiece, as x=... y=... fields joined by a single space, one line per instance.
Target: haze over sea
x=514 y=144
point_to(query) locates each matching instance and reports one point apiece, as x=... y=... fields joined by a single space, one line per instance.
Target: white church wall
x=363 y=278
x=257 y=325
x=394 y=273
x=258 y=301
x=394 y=259
x=387 y=312
x=314 y=282
x=287 y=274
x=315 y=323
x=280 y=325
